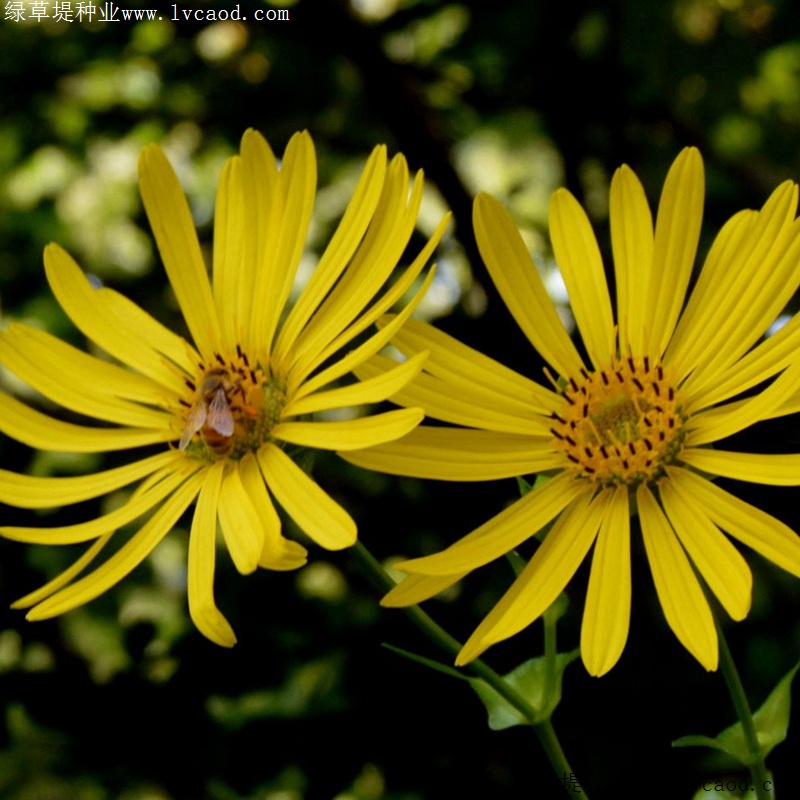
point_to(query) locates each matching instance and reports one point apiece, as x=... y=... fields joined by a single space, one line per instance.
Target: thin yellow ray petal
x=751 y=526
x=373 y=390
x=719 y=562
x=544 y=577
x=38 y=430
x=314 y=511
x=581 y=265
x=295 y=190
x=501 y=534
x=278 y=553
x=358 y=355
x=461 y=404
x=126 y=559
x=134 y=508
x=416 y=588
x=761 y=363
x=25 y=491
x=173 y=228
x=606 y=616
x=461 y=365
x=769 y=468
x=370 y=267
x=65 y=577
x=678 y=223
x=682 y=600
x=632 y=245
x=456 y=454
x=724 y=421
x=105 y=317
x=241 y=524
x=202 y=560
x=340 y=250
x=104 y=390
x=230 y=271
x=351 y=434
x=517 y=279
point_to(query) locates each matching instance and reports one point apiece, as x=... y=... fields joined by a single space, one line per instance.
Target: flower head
x=625 y=429
x=219 y=411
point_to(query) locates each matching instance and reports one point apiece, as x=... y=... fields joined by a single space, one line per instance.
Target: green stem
x=757 y=766
x=544 y=730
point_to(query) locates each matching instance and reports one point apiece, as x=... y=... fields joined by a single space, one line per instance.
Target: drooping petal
x=173 y=228
x=751 y=526
x=202 y=560
x=718 y=561
x=685 y=607
x=606 y=616
x=127 y=558
x=240 y=522
x=504 y=532
x=581 y=265
x=458 y=454
x=517 y=279
x=544 y=577
x=315 y=512
x=352 y=434
x=416 y=588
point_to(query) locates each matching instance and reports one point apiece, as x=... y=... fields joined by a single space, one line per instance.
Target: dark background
x=123 y=698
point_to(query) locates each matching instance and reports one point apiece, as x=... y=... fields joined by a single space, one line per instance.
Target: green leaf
x=771 y=723
x=529 y=679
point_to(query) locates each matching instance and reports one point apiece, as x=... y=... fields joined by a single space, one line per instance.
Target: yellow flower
x=221 y=411
x=628 y=427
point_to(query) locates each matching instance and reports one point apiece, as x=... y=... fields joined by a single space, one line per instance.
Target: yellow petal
x=578 y=257
x=678 y=223
x=751 y=526
x=202 y=559
x=119 y=326
x=240 y=522
x=544 y=577
x=606 y=616
x=352 y=434
x=682 y=600
x=719 y=562
x=501 y=534
x=25 y=491
x=315 y=513
x=173 y=228
x=416 y=588
x=773 y=469
x=517 y=279
x=373 y=390
x=128 y=557
x=458 y=454
x=632 y=243
x=37 y=430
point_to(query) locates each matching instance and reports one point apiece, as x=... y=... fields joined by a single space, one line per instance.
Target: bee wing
x=219 y=414
x=197 y=418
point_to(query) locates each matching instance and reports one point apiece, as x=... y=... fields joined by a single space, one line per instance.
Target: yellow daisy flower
x=626 y=428
x=220 y=412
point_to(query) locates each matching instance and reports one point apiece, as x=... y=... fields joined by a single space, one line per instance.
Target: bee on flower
x=218 y=412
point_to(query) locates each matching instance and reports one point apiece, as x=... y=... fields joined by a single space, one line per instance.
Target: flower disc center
x=622 y=424
x=232 y=408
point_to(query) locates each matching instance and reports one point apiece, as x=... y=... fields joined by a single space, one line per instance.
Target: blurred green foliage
x=124 y=699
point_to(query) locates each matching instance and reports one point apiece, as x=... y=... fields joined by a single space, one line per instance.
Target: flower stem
x=757 y=765
x=544 y=730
